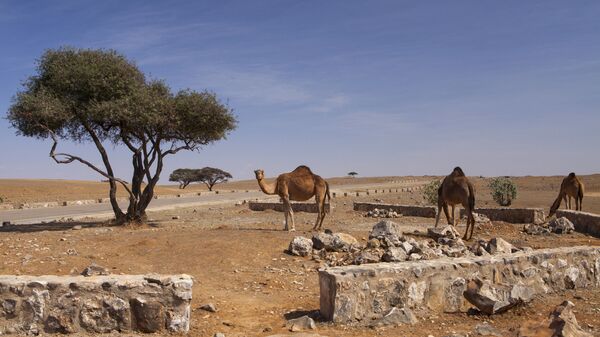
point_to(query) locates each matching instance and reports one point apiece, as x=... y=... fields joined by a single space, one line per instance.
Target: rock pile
x=560 y=322
x=388 y=244
x=383 y=213
x=557 y=226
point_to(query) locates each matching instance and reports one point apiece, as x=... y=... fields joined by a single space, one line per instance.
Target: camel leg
x=441 y=205
x=323 y=212
x=453 y=216
x=319 y=210
x=286 y=210
x=293 y=229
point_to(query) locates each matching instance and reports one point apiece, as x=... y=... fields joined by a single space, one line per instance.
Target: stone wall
x=407 y=210
x=512 y=215
x=96 y=304
x=278 y=206
x=362 y=294
x=584 y=222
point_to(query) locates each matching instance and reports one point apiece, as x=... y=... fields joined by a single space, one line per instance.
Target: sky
x=377 y=87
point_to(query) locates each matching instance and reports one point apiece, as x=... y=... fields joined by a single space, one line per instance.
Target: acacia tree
x=211 y=176
x=352 y=174
x=184 y=177
x=100 y=96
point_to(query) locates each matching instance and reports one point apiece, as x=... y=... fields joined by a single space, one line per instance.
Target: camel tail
x=471 y=198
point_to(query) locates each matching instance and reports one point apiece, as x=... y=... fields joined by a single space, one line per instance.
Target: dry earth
x=238 y=261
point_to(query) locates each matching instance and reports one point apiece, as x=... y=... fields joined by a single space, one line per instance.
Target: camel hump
x=458 y=172
x=302 y=169
x=572 y=175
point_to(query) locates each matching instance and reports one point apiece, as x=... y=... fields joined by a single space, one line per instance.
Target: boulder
x=300 y=246
x=533 y=229
x=440 y=232
x=343 y=242
x=385 y=228
x=369 y=256
x=564 y=323
x=489 y=299
x=499 y=246
x=395 y=254
x=94 y=270
x=561 y=226
x=301 y=324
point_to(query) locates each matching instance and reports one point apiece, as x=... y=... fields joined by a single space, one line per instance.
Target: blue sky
x=376 y=87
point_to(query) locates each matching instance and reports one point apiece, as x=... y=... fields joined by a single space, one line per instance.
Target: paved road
x=104 y=210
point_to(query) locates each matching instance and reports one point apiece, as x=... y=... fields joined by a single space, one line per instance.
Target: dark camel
x=299 y=185
x=457 y=189
x=571 y=187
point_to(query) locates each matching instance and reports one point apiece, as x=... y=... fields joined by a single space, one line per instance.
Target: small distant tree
x=184 y=177
x=430 y=192
x=352 y=174
x=503 y=191
x=101 y=97
x=211 y=176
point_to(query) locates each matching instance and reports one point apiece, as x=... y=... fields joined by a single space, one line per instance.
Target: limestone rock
x=338 y=242
x=369 y=256
x=385 y=228
x=397 y=316
x=149 y=315
x=301 y=324
x=440 y=232
x=209 y=307
x=561 y=226
x=94 y=270
x=564 y=322
x=300 y=246
x=485 y=298
x=499 y=246
x=395 y=254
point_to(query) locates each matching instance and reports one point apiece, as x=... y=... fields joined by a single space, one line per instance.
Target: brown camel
x=571 y=187
x=457 y=189
x=299 y=185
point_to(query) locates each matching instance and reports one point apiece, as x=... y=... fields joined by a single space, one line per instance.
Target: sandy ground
x=18 y=191
x=238 y=261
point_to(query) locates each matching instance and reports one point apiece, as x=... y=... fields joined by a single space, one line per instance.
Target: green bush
x=503 y=191
x=430 y=192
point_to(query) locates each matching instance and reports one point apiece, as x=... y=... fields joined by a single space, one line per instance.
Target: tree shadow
x=59 y=226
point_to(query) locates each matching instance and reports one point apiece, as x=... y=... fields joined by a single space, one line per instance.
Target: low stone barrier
x=79 y=202
x=47 y=204
x=4 y=207
x=364 y=294
x=97 y=304
x=584 y=222
x=165 y=196
x=407 y=210
x=107 y=200
x=512 y=215
x=277 y=206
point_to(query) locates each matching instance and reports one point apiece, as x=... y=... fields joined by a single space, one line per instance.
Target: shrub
x=430 y=192
x=503 y=191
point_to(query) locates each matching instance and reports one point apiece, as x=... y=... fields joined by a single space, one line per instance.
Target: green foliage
x=99 y=95
x=210 y=176
x=430 y=192
x=352 y=174
x=503 y=191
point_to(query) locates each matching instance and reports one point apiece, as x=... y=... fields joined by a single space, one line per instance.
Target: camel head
x=260 y=174
x=458 y=172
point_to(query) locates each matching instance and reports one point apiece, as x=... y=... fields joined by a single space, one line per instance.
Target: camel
x=299 y=185
x=457 y=189
x=571 y=187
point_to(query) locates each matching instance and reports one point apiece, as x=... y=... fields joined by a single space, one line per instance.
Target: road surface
x=104 y=210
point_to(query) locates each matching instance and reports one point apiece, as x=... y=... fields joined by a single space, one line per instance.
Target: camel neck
x=265 y=187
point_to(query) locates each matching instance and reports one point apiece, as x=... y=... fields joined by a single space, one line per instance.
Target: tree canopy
x=100 y=96
x=210 y=176
x=352 y=174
